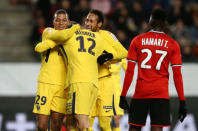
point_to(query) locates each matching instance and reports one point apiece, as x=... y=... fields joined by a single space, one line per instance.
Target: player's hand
x=182 y=111
x=104 y=58
x=72 y=23
x=123 y=103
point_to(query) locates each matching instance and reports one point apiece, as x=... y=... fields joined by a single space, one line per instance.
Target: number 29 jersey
x=153 y=51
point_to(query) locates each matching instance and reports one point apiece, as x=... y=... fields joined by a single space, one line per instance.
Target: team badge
x=49 y=30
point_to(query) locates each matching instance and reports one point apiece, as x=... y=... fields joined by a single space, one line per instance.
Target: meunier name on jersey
x=154 y=42
x=78 y=32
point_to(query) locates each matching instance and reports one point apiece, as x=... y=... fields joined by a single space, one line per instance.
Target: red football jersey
x=153 y=51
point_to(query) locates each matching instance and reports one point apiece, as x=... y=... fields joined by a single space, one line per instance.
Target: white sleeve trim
x=131 y=60
x=113 y=36
x=176 y=65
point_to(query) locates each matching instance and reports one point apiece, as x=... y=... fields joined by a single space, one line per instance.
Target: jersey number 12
x=82 y=45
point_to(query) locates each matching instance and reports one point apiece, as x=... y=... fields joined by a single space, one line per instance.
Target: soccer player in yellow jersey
x=50 y=96
x=115 y=70
x=82 y=51
x=104 y=107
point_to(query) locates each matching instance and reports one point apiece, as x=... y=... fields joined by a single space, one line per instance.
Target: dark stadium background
x=21 y=26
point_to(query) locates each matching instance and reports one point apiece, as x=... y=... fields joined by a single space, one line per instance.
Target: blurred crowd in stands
x=125 y=18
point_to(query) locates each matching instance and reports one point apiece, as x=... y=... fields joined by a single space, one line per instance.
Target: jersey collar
x=156 y=31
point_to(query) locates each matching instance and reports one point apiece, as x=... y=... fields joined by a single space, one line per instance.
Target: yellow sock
x=105 y=123
x=116 y=129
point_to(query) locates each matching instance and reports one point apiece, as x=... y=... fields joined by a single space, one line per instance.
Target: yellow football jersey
x=115 y=70
x=81 y=52
x=120 y=50
x=53 y=69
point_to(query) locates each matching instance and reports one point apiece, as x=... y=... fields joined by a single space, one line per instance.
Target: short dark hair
x=158 y=20
x=99 y=14
x=159 y=14
x=61 y=11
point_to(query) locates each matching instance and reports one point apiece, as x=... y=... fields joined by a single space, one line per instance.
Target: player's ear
x=100 y=24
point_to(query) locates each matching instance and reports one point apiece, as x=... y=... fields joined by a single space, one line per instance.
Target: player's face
x=61 y=21
x=92 y=23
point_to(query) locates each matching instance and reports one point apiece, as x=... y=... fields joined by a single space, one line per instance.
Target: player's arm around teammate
x=51 y=97
x=59 y=36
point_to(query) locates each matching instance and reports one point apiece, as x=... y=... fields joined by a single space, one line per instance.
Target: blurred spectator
x=66 y=5
x=36 y=34
x=187 y=53
x=43 y=8
x=119 y=5
x=102 y=5
x=137 y=13
x=21 y=2
x=177 y=11
x=81 y=11
x=125 y=22
x=126 y=18
x=194 y=30
x=195 y=50
x=156 y=6
x=37 y=29
x=63 y=4
x=150 y=4
x=193 y=9
x=122 y=37
x=108 y=24
x=144 y=26
x=179 y=30
x=186 y=49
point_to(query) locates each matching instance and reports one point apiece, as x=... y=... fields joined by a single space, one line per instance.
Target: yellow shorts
x=49 y=98
x=105 y=103
x=81 y=98
x=117 y=92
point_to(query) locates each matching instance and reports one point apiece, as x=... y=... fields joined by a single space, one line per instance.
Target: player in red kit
x=153 y=51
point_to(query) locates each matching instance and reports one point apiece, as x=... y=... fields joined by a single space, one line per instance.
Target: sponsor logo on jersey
x=107 y=107
x=69 y=104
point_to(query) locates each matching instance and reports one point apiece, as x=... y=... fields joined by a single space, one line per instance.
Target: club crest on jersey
x=107 y=110
x=49 y=30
